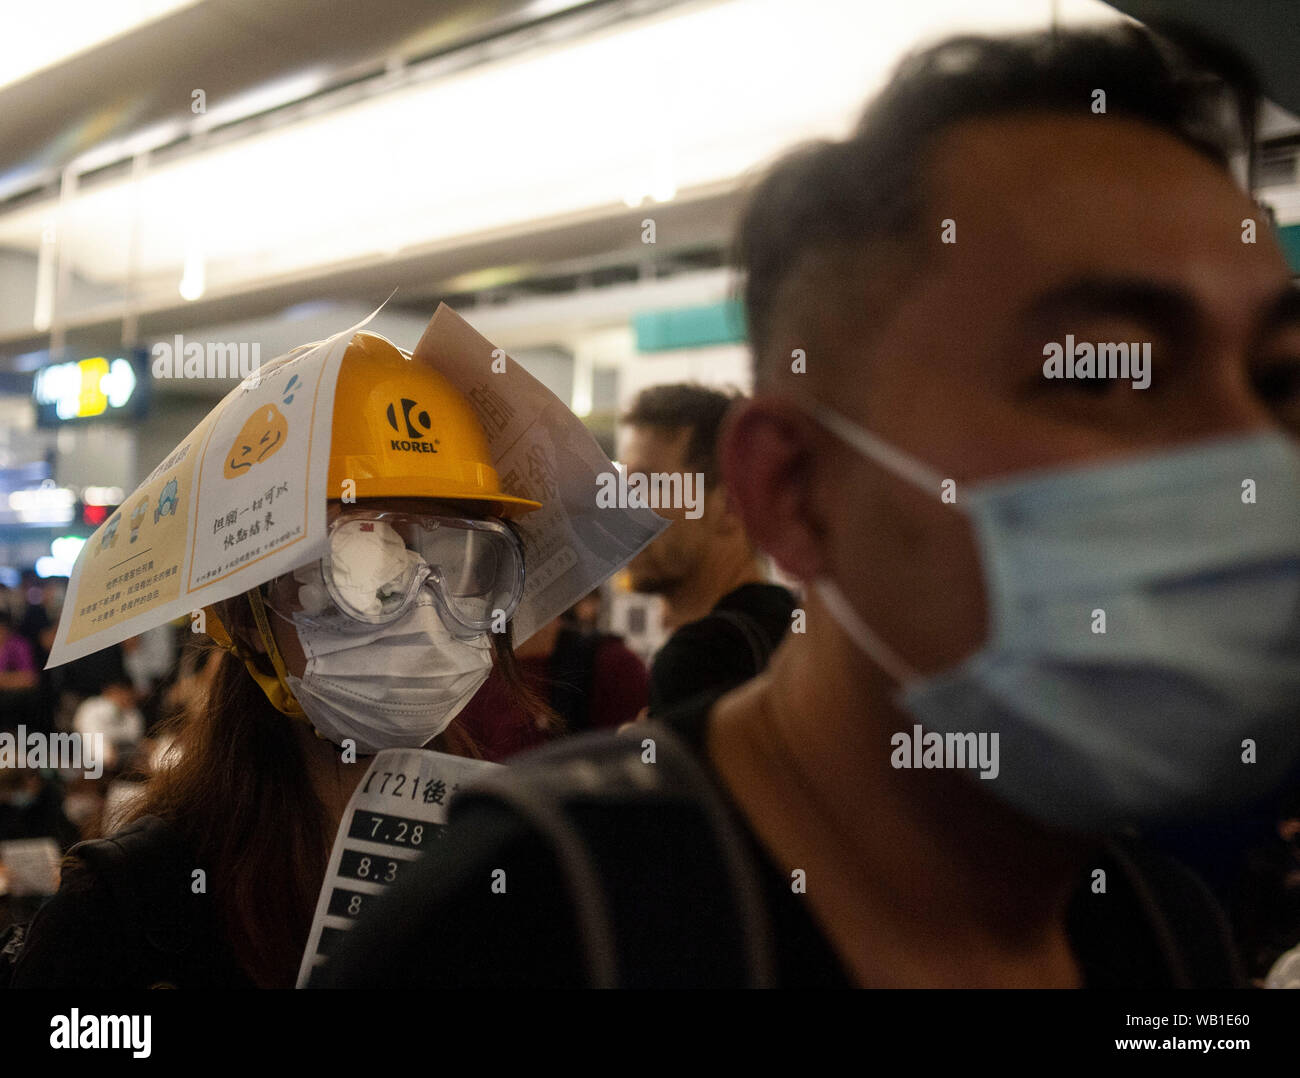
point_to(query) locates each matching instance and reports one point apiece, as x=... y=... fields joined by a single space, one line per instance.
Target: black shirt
x=1155 y=926
x=723 y=649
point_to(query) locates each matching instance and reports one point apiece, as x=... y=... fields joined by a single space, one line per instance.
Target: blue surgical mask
x=1192 y=556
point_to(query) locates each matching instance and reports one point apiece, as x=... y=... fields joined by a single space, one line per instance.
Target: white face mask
x=397 y=687
x=1148 y=719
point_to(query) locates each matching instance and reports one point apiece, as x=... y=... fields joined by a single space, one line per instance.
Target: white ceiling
x=674 y=106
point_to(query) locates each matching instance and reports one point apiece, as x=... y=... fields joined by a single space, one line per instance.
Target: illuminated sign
x=90 y=388
x=46 y=504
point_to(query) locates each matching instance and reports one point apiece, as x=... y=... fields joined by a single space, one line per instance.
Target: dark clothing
x=595 y=680
x=1155 y=926
x=43 y=818
x=89 y=675
x=35 y=620
x=1265 y=904
x=126 y=916
x=591 y=680
x=722 y=650
x=36 y=708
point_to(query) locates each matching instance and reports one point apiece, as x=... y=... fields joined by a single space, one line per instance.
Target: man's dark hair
x=831 y=214
x=686 y=406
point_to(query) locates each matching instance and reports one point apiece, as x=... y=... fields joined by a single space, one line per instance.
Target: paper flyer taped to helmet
x=543 y=452
x=243 y=498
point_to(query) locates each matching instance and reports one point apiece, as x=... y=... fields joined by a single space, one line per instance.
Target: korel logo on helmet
x=415 y=440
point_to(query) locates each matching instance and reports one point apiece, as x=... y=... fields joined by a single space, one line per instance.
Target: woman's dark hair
x=240 y=794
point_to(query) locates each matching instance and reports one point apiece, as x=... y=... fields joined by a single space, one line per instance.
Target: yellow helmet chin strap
x=276 y=688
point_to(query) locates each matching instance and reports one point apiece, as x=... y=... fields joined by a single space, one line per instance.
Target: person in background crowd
x=937 y=784
x=83 y=804
x=726 y=621
x=590 y=680
x=40 y=611
x=114 y=716
x=1265 y=903
x=584 y=615
x=255 y=784
x=150 y=659
x=38 y=624
x=31 y=807
x=20 y=698
x=86 y=677
x=17 y=663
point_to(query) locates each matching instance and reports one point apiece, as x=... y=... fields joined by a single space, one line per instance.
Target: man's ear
x=768 y=463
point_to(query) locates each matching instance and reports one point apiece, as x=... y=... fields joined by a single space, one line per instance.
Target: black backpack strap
x=1190 y=928
x=636 y=824
x=755 y=635
x=142 y=866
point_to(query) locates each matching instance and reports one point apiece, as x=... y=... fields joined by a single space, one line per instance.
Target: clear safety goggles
x=379 y=565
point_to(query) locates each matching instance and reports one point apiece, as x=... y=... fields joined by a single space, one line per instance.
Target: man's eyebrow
x=1169 y=310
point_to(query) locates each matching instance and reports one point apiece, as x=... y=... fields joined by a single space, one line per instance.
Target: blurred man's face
x=1108 y=231
x=672 y=557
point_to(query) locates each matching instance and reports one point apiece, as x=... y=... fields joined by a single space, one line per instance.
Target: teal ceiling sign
x=690 y=327
x=1290 y=237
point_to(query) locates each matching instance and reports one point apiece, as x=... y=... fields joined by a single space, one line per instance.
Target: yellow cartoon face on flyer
x=261 y=437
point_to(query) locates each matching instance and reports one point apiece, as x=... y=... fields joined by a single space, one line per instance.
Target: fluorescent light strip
x=688 y=99
x=41 y=33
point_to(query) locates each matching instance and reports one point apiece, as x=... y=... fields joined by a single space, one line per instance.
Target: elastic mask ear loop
x=903 y=465
x=911 y=470
x=861 y=634
x=276 y=690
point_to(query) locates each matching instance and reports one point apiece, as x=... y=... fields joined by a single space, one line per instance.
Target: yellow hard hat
x=402 y=430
